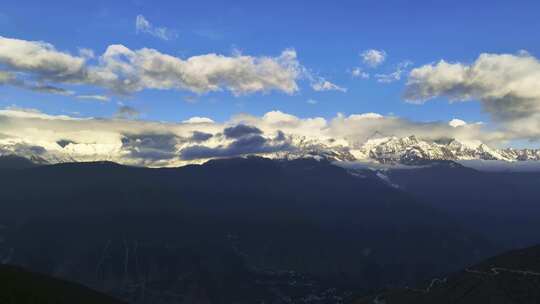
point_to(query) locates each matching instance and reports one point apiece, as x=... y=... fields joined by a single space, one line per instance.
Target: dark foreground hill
x=15 y=162
x=230 y=231
x=511 y=278
x=18 y=286
x=502 y=206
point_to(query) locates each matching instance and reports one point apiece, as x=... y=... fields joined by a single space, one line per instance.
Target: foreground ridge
x=513 y=277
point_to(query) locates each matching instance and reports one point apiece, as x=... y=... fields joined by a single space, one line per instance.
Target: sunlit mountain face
x=269 y=152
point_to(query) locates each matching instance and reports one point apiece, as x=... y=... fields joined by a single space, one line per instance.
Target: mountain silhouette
x=24 y=287
x=513 y=277
x=239 y=230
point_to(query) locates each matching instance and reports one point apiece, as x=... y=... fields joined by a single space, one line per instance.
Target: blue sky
x=328 y=38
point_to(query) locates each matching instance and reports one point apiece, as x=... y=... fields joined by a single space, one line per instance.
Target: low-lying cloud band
x=150 y=143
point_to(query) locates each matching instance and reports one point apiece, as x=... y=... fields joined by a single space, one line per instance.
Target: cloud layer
x=142 y=25
x=170 y=144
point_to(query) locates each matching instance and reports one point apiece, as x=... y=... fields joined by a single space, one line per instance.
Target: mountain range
x=412 y=150
x=377 y=149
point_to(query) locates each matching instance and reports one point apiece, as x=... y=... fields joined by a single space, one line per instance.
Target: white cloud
x=125 y=71
x=94 y=97
x=357 y=128
x=456 y=123
x=324 y=85
x=317 y=82
x=395 y=75
x=142 y=25
x=370 y=115
x=388 y=78
x=373 y=57
x=312 y=101
x=359 y=73
x=41 y=59
x=198 y=120
x=507 y=86
x=24 y=113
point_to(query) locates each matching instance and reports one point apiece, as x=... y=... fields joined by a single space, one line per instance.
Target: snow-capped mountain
x=302 y=147
x=409 y=150
x=67 y=154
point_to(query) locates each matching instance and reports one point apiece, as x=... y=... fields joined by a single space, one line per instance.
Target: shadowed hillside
x=513 y=277
x=236 y=230
x=21 y=287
